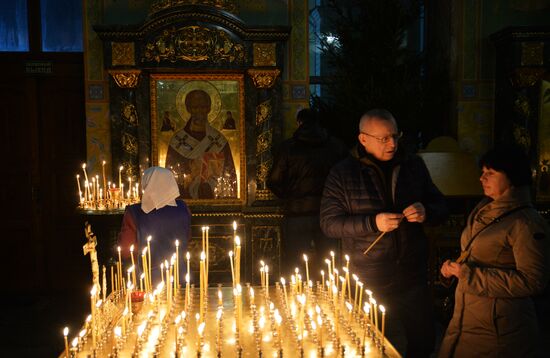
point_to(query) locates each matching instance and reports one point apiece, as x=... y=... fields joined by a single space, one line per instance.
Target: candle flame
x=234 y=226
x=283 y=281
x=118 y=331
x=332 y=253
x=144 y=251
x=237 y=241
x=188 y=255
x=83 y=165
x=203 y=256
x=65 y=331
x=118 y=249
x=149 y=238
x=120 y=168
x=177 y=243
x=74 y=342
x=347 y=257
x=305 y=257
x=382 y=309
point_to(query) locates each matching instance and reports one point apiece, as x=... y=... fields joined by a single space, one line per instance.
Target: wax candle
x=133 y=264
x=323 y=280
x=177 y=264
x=237 y=260
x=120 y=179
x=307 y=267
x=383 y=310
x=149 y=238
x=65 y=333
x=105 y=188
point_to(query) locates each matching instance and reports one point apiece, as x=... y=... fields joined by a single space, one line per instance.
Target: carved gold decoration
x=266 y=245
x=264 y=54
x=227 y=5
x=264 y=141
x=522 y=137
x=262 y=171
x=129 y=113
x=129 y=143
x=522 y=107
x=125 y=78
x=527 y=77
x=532 y=53
x=264 y=194
x=122 y=53
x=263 y=112
x=264 y=78
x=195 y=44
x=129 y=168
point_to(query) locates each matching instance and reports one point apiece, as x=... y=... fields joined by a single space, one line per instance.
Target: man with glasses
x=376 y=201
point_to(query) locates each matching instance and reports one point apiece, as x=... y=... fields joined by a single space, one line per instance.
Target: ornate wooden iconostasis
x=195 y=89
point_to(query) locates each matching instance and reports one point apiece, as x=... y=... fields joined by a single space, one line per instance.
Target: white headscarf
x=159 y=189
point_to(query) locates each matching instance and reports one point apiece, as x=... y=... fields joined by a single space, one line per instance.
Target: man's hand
x=415 y=213
x=450 y=268
x=388 y=221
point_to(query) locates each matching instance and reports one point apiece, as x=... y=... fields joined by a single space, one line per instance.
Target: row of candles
x=328 y=314
x=96 y=194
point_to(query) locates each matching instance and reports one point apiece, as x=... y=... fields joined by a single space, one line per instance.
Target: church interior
x=94 y=92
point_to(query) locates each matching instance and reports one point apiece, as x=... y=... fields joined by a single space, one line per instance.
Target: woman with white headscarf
x=160 y=216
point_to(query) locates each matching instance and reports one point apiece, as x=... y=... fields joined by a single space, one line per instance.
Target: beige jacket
x=494 y=315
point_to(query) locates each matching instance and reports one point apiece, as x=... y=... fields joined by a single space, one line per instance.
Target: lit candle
x=360 y=295
x=186 y=290
x=104 y=282
x=333 y=263
x=366 y=309
x=383 y=310
x=320 y=323
x=207 y=262
x=65 y=333
x=234 y=234
x=133 y=264
x=267 y=281
x=92 y=304
x=375 y=312
x=251 y=296
x=112 y=279
x=284 y=290
x=237 y=260
x=177 y=264
x=369 y=293
x=118 y=334
x=307 y=268
x=120 y=179
x=141 y=278
x=104 y=178
x=119 y=266
x=79 y=189
x=149 y=238
x=232 y=269
x=323 y=279
x=220 y=297
x=74 y=345
x=144 y=264
x=162 y=271
x=356 y=296
x=202 y=282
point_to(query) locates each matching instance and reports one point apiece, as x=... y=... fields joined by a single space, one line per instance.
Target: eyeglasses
x=386 y=139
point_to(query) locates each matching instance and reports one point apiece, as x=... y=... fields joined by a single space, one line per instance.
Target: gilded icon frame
x=202 y=166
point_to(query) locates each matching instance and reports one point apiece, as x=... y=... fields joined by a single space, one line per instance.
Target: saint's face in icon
x=198 y=104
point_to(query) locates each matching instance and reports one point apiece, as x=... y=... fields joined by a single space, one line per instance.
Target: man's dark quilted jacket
x=355 y=191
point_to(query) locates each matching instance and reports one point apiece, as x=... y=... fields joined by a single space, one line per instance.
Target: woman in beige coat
x=504 y=263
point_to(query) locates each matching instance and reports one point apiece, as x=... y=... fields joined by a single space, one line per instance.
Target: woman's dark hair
x=510 y=160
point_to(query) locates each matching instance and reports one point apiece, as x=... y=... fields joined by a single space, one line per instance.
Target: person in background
x=297 y=176
x=382 y=192
x=159 y=215
x=505 y=262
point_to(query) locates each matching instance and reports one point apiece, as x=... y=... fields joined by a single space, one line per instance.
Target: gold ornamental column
x=125 y=122
x=264 y=81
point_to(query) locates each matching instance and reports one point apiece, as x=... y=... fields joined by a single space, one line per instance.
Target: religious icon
x=167 y=123
x=229 y=121
x=199 y=138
